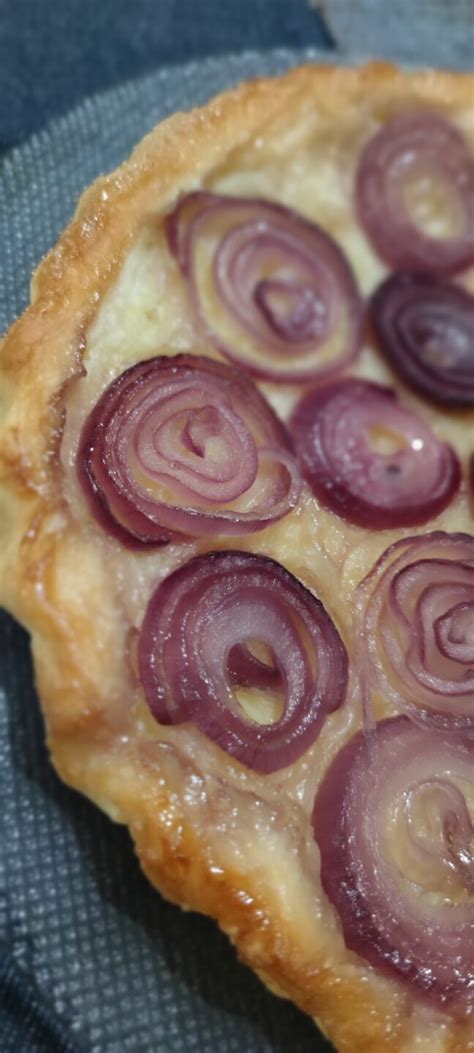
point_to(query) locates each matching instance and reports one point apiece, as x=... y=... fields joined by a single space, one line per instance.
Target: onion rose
x=425 y=327
x=418 y=167
x=394 y=827
x=270 y=289
x=417 y=626
x=186 y=445
x=369 y=459
x=196 y=649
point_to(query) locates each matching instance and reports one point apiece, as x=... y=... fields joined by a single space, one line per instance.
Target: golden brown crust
x=41 y=353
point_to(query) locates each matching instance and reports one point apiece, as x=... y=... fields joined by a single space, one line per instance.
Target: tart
x=236 y=482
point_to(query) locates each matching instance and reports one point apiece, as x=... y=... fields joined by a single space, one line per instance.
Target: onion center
x=258 y=683
x=431 y=204
x=435 y=845
x=454 y=634
x=294 y=311
x=386 y=440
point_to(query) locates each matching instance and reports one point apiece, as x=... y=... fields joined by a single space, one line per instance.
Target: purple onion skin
x=407 y=940
x=302 y=329
x=100 y=510
x=158 y=394
x=420 y=657
x=192 y=654
x=330 y=467
x=425 y=328
x=427 y=143
x=246 y=670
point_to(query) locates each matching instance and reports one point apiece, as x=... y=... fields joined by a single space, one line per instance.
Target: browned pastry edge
x=40 y=354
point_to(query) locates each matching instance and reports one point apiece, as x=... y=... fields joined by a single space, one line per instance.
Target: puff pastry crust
x=210 y=835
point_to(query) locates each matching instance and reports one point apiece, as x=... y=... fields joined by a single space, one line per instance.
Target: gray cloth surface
x=428 y=32
x=53 y=54
x=111 y=967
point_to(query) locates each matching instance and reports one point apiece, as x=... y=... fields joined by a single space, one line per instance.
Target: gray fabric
x=430 y=32
x=53 y=54
x=120 y=970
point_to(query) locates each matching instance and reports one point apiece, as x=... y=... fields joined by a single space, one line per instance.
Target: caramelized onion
x=270 y=290
x=186 y=445
x=425 y=327
x=369 y=459
x=417 y=611
x=211 y=608
x=395 y=833
x=418 y=165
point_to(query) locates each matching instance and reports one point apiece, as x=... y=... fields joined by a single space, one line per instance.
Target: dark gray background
x=52 y=54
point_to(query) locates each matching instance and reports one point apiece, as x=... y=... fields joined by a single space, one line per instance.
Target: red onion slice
x=186 y=445
x=417 y=623
x=270 y=290
x=418 y=166
x=369 y=459
x=194 y=651
x=247 y=670
x=425 y=328
x=392 y=822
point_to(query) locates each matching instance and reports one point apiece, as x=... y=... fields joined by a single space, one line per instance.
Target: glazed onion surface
x=369 y=459
x=271 y=290
x=425 y=327
x=417 y=626
x=186 y=445
x=393 y=821
x=415 y=194
x=197 y=647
